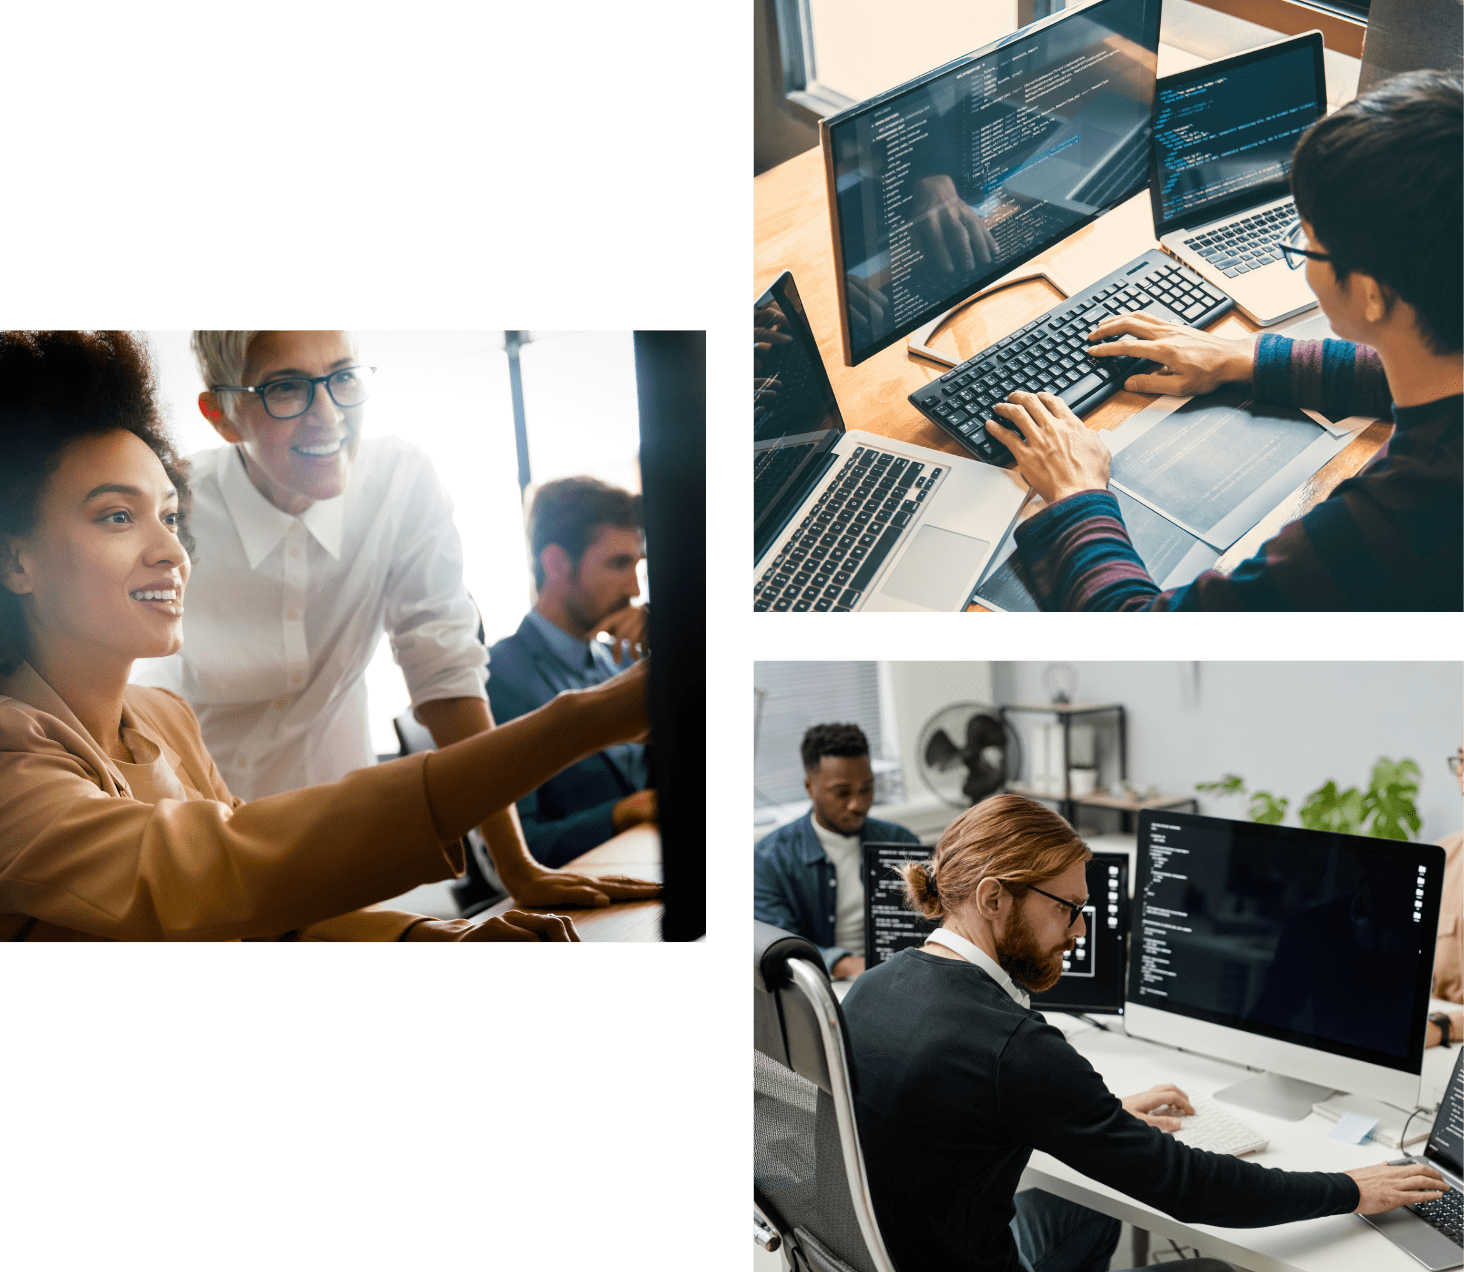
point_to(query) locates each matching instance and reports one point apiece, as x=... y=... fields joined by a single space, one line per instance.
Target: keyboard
x=770 y=469
x=1445 y=1214
x=1249 y=243
x=1051 y=352
x=1216 y=1130
x=832 y=557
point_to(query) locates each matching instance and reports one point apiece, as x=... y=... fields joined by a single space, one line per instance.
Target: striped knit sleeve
x=1335 y=377
x=1076 y=555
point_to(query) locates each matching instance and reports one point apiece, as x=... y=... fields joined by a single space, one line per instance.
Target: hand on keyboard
x=1143 y=1106
x=1054 y=451
x=1192 y=361
x=1390 y=1185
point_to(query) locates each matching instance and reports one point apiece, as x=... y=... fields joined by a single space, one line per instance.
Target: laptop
x=1430 y=1231
x=846 y=521
x=1219 y=168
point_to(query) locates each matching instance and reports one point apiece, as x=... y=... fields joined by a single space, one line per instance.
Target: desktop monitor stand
x=1290 y=1099
x=918 y=340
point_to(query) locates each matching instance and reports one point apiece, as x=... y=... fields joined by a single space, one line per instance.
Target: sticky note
x=1353 y=1128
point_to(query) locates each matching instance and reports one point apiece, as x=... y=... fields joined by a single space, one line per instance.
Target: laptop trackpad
x=937 y=569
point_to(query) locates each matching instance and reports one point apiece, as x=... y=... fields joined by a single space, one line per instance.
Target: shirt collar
x=973 y=953
x=570 y=650
x=261 y=525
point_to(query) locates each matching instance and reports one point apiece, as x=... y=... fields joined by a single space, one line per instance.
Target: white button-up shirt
x=973 y=953
x=283 y=613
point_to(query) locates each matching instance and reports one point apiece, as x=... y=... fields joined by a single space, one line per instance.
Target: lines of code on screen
x=1235 y=131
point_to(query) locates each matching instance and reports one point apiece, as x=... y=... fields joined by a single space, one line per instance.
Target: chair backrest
x=1411 y=35
x=809 y=1176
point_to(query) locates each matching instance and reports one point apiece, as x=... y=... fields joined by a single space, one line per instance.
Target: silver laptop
x=849 y=521
x=1220 y=162
x=1431 y=1232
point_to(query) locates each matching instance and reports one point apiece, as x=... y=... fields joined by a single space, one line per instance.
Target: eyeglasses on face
x=291 y=396
x=1073 y=910
x=1296 y=255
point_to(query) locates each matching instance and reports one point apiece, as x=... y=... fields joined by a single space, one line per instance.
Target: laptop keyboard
x=770 y=469
x=1444 y=1214
x=1051 y=352
x=833 y=556
x=1249 y=243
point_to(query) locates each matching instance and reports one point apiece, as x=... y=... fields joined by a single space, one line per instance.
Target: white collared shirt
x=973 y=953
x=283 y=613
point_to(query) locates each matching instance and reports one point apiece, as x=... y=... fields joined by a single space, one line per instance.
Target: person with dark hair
x=807 y=876
x=959 y=1080
x=115 y=822
x=586 y=540
x=315 y=541
x=1377 y=186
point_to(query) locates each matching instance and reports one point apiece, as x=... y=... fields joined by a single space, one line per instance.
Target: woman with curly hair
x=114 y=821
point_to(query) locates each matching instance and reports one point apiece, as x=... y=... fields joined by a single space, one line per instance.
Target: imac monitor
x=1093 y=973
x=889 y=926
x=945 y=183
x=1307 y=954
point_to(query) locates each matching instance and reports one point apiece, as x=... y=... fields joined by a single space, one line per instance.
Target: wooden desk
x=635 y=852
x=791 y=231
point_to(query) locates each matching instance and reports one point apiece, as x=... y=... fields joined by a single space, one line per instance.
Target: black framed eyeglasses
x=1073 y=910
x=1296 y=255
x=290 y=396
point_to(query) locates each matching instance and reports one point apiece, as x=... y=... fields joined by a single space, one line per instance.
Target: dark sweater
x=1391 y=538
x=957 y=1085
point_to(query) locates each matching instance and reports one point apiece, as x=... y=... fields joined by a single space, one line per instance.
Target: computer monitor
x=945 y=183
x=1094 y=973
x=1304 y=953
x=670 y=382
x=888 y=926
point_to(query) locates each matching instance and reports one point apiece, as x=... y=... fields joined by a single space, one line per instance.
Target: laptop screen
x=1446 y=1144
x=1224 y=133
x=795 y=419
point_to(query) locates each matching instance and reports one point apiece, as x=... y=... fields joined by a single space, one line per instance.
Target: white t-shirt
x=843 y=851
x=282 y=615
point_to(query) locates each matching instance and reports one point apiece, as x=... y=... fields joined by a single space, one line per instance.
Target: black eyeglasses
x=291 y=396
x=1073 y=910
x=1296 y=256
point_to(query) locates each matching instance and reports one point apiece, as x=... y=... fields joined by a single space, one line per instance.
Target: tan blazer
x=91 y=849
x=1448 y=979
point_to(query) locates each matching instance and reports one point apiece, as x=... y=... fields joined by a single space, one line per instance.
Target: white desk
x=1339 y=1243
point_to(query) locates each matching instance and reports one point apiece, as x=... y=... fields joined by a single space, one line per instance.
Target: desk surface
x=792 y=231
x=1339 y=1243
x=635 y=852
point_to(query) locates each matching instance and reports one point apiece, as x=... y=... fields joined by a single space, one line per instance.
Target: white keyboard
x=1216 y=1130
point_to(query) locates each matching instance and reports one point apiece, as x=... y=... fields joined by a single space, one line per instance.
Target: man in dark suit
x=806 y=875
x=586 y=541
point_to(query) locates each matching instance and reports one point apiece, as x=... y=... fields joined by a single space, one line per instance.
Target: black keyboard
x=770 y=469
x=1249 y=243
x=1050 y=354
x=833 y=556
x=1444 y=1214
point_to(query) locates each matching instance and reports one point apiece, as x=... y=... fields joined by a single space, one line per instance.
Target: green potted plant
x=1385 y=810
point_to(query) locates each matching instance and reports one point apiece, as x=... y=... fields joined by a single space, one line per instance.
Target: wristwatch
x=1442 y=1021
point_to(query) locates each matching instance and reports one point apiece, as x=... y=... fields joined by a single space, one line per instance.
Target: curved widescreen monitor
x=944 y=184
x=1306 y=953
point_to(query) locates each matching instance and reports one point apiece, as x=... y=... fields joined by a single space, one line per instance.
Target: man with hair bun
x=806 y=875
x=959 y=1081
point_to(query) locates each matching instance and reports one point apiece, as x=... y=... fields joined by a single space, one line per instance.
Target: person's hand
x=1146 y=1104
x=866 y=304
x=1456 y=1030
x=616 y=710
x=512 y=925
x=847 y=968
x=629 y=629
x=635 y=809
x=546 y=889
x=764 y=388
x=948 y=227
x=768 y=325
x=1193 y=361
x=1386 y=1186
x=1060 y=456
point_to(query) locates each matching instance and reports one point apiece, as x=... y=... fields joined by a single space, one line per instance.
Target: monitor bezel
x=825 y=137
x=1412 y=1063
x=1256 y=195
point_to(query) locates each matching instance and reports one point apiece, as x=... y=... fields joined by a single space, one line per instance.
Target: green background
x=423 y=166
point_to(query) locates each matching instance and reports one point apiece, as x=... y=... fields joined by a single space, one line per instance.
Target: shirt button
x=833 y=883
x=292 y=615
x=296 y=678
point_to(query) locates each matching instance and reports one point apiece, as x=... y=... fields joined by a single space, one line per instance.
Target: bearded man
x=959 y=1080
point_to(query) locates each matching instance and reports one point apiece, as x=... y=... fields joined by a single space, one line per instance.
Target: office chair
x=479 y=886
x=810 y=1191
